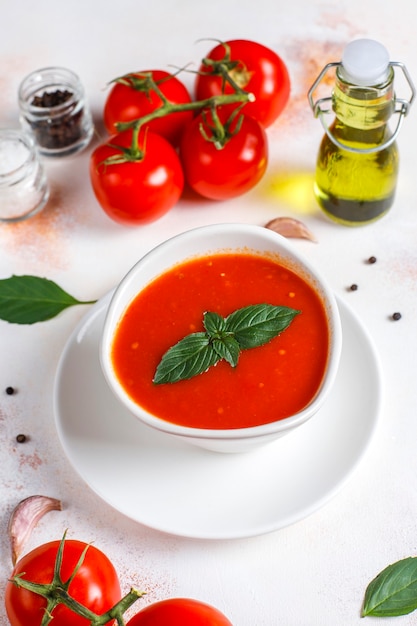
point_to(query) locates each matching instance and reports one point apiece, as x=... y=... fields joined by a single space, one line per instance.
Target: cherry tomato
x=228 y=172
x=95 y=584
x=260 y=71
x=136 y=192
x=126 y=103
x=179 y=611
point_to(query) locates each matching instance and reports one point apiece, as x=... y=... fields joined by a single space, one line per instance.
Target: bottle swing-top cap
x=365 y=62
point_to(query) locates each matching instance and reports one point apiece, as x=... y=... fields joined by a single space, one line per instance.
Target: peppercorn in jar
x=53 y=110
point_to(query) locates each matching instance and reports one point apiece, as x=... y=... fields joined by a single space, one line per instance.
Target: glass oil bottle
x=357 y=163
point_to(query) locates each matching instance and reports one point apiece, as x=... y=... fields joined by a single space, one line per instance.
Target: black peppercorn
x=21 y=438
x=52 y=99
x=372 y=259
x=353 y=287
x=396 y=316
x=10 y=391
x=61 y=130
x=54 y=111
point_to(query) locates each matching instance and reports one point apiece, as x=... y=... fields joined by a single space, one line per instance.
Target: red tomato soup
x=269 y=383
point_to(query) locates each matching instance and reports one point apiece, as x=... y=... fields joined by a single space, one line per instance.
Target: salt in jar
x=24 y=188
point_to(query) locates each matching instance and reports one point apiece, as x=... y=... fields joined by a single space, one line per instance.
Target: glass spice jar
x=53 y=109
x=24 y=189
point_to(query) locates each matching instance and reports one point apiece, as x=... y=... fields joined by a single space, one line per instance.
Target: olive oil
x=357 y=185
x=357 y=163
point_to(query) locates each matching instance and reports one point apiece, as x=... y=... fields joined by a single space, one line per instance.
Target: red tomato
x=95 y=584
x=137 y=192
x=260 y=71
x=179 y=611
x=126 y=103
x=228 y=172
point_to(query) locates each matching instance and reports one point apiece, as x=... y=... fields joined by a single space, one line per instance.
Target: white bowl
x=196 y=243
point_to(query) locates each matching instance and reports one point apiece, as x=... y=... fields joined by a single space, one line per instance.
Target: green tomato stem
x=197 y=105
x=56 y=592
x=220 y=133
x=222 y=68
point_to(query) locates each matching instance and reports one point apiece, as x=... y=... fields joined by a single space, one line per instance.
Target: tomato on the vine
x=127 y=102
x=134 y=192
x=176 y=611
x=259 y=71
x=227 y=172
x=95 y=585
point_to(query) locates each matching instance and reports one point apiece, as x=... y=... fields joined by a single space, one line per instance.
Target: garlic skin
x=291 y=228
x=24 y=518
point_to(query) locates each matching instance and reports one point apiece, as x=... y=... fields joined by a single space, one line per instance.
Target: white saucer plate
x=186 y=491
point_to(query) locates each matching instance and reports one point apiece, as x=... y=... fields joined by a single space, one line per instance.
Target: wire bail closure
x=321 y=108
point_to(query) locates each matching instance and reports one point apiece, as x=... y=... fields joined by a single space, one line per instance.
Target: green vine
x=220 y=133
x=56 y=592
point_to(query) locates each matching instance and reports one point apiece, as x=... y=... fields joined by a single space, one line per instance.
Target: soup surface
x=270 y=382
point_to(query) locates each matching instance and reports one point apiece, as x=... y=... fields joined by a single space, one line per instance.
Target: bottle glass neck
x=363 y=108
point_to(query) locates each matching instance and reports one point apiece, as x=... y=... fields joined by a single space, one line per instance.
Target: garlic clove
x=24 y=518
x=291 y=228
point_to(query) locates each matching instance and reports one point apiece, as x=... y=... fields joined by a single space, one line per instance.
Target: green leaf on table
x=224 y=338
x=30 y=299
x=394 y=591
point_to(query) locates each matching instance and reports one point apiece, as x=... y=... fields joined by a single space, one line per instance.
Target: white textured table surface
x=314 y=572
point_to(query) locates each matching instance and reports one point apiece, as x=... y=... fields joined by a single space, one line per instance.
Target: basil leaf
x=191 y=356
x=227 y=348
x=29 y=299
x=248 y=327
x=394 y=591
x=223 y=343
x=255 y=325
x=214 y=323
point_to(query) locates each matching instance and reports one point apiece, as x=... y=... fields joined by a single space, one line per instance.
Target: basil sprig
x=394 y=591
x=224 y=338
x=29 y=299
